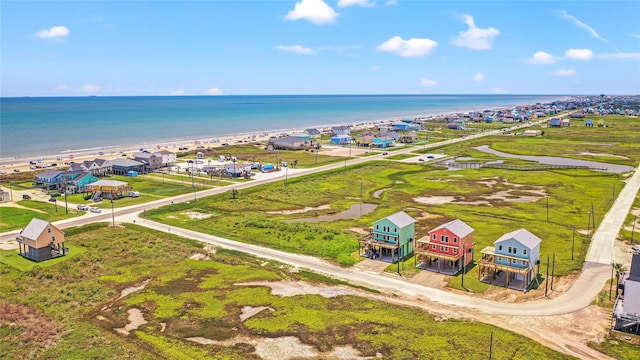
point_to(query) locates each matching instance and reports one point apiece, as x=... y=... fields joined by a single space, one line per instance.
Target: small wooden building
x=41 y=240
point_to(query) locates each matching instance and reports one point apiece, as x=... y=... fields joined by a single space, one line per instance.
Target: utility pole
x=573 y=241
x=546 y=283
x=633 y=229
x=10 y=191
x=547 y=209
x=66 y=203
x=113 y=216
x=491 y=346
x=193 y=185
x=611 y=281
x=553 y=270
x=464 y=261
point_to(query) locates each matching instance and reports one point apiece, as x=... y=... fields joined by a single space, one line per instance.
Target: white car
x=95 y=210
x=83 y=207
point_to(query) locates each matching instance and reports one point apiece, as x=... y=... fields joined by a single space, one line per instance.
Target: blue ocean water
x=38 y=126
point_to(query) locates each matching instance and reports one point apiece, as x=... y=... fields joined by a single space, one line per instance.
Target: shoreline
x=113 y=151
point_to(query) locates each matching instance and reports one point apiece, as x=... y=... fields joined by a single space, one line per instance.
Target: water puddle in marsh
x=355 y=211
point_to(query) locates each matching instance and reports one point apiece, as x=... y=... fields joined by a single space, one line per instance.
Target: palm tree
x=620 y=269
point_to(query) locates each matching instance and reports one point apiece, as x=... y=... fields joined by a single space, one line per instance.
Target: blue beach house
x=513 y=260
x=49 y=179
x=341 y=139
x=391 y=238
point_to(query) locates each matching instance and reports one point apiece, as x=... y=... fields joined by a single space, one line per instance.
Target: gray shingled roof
x=522 y=236
x=49 y=174
x=34 y=229
x=634 y=272
x=125 y=162
x=457 y=226
x=401 y=219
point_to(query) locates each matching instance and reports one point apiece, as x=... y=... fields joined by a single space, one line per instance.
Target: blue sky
x=115 y=48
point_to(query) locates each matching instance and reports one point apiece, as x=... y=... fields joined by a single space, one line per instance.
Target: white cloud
x=296 y=49
x=363 y=3
x=579 y=54
x=53 y=32
x=564 y=72
x=498 y=91
x=620 y=56
x=428 y=83
x=475 y=38
x=408 y=48
x=177 y=93
x=542 y=57
x=316 y=11
x=478 y=77
x=214 y=91
x=391 y=2
x=90 y=88
x=579 y=23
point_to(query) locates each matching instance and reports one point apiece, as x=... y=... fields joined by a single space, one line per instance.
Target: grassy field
x=71 y=308
x=250 y=218
x=12 y=218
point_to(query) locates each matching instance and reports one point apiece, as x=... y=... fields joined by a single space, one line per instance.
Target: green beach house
x=391 y=238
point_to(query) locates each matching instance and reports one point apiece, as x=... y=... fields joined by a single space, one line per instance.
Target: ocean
x=31 y=127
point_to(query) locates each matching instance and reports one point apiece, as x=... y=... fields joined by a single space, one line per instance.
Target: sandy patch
x=136 y=319
x=378 y=193
x=300 y=211
x=355 y=211
x=133 y=289
x=434 y=200
x=249 y=311
x=293 y=288
x=199 y=256
x=197 y=215
x=359 y=231
x=284 y=348
x=603 y=154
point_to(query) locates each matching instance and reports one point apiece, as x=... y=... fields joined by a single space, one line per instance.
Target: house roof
x=457 y=226
x=35 y=228
x=109 y=183
x=125 y=162
x=164 y=152
x=313 y=131
x=76 y=167
x=522 y=236
x=101 y=162
x=49 y=174
x=292 y=141
x=401 y=219
x=144 y=155
x=634 y=272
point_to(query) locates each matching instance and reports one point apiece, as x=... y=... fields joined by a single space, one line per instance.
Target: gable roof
x=313 y=131
x=114 y=183
x=165 y=152
x=522 y=236
x=457 y=227
x=35 y=228
x=125 y=162
x=401 y=219
x=101 y=162
x=49 y=174
x=76 y=167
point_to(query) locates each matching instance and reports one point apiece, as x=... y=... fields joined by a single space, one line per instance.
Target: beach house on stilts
x=41 y=240
x=446 y=249
x=390 y=239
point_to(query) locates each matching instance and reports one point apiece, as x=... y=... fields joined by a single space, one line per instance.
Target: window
x=49 y=230
x=509 y=250
x=455 y=240
x=444 y=239
x=433 y=247
x=441 y=248
x=377 y=227
x=500 y=247
x=395 y=230
x=455 y=251
x=524 y=251
x=523 y=262
x=53 y=239
x=499 y=258
x=434 y=237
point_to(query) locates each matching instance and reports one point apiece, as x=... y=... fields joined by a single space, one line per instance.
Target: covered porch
x=379 y=250
x=493 y=273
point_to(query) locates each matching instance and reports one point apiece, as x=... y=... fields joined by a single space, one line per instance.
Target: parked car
x=134 y=194
x=95 y=210
x=385 y=153
x=55 y=194
x=420 y=159
x=430 y=157
x=26 y=197
x=83 y=207
x=32 y=162
x=16 y=170
x=52 y=199
x=98 y=199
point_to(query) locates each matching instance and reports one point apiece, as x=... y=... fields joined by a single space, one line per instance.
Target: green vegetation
x=13 y=259
x=617 y=349
x=70 y=309
x=12 y=218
